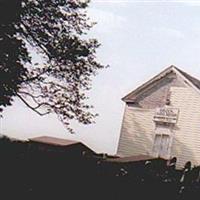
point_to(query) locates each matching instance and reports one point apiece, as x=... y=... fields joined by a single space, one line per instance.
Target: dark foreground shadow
x=31 y=171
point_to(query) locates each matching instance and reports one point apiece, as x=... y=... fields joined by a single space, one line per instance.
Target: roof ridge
x=172 y=68
x=154 y=78
x=53 y=140
x=195 y=81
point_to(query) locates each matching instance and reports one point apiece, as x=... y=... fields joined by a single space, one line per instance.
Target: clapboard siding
x=156 y=95
x=186 y=143
x=136 y=132
x=138 y=129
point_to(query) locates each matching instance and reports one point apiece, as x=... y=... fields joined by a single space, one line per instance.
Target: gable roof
x=188 y=79
x=193 y=80
x=53 y=141
x=130 y=159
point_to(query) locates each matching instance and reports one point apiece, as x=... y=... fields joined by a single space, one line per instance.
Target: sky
x=138 y=40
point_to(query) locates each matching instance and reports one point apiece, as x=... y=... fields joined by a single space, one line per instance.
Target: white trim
x=157 y=77
x=172 y=68
x=187 y=80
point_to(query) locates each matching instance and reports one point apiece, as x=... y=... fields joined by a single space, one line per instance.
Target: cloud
x=189 y=3
x=170 y=32
x=106 y=21
x=114 y=1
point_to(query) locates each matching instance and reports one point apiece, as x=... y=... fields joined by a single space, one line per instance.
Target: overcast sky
x=139 y=39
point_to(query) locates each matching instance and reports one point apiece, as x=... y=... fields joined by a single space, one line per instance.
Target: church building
x=162 y=119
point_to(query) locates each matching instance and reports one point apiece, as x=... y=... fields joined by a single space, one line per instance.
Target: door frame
x=158 y=152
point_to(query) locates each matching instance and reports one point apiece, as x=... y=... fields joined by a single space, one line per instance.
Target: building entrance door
x=161 y=147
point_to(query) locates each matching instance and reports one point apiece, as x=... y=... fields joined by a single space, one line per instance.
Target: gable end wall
x=156 y=95
x=137 y=131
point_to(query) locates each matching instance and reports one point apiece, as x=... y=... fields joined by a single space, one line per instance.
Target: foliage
x=56 y=30
x=35 y=170
x=13 y=53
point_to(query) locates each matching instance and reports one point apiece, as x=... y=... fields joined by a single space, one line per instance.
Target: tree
x=56 y=30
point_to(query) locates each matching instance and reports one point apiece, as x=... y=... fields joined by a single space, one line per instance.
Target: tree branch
x=35 y=39
x=31 y=107
x=32 y=96
x=28 y=33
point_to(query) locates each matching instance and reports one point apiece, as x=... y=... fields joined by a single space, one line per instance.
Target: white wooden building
x=162 y=118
